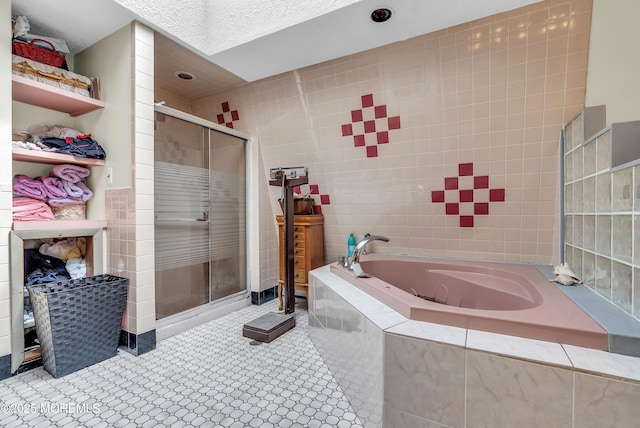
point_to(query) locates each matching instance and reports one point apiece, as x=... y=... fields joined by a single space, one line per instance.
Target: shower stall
x=200 y=213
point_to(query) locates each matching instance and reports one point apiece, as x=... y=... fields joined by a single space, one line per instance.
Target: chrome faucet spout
x=355 y=258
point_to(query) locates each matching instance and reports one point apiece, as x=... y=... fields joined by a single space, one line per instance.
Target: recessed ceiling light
x=185 y=75
x=381 y=15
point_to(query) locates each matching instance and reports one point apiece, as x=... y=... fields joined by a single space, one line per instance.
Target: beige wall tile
x=494 y=92
x=425 y=379
x=602 y=402
x=504 y=392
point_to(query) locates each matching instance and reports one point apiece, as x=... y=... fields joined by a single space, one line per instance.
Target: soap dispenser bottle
x=351 y=243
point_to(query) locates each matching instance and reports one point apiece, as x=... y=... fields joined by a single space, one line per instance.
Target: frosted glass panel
x=621 y=286
x=590 y=158
x=578 y=172
x=589 y=232
x=228 y=231
x=636 y=292
x=603 y=193
x=589 y=195
x=622 y=190
x=181 y=199
x=589 y=270
x=602 y=216
x=603 y=276
x=200 y=221
x=603 y=234
x=184 y=191
x=603 y=149
x=569 y=199
x=622 y=237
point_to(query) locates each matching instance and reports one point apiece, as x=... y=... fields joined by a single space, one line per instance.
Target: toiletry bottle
x=351 y=244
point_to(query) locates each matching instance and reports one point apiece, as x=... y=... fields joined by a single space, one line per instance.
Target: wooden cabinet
x=308 y=248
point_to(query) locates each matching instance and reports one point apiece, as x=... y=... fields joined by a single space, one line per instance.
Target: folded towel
x=29 y=209
x=72 y=173
x=86 y=192
x=78 y=191
x=53 y=187
x=72 y=189
x=28 y=187
x=61 y=202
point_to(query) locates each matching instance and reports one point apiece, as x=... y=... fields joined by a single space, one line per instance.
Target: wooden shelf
x=26 y=155
x=42 y=95
x=59 y=225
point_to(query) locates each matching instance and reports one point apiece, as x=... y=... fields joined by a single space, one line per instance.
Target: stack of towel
x=30 y=209
x=62 y=187
x=65 y=187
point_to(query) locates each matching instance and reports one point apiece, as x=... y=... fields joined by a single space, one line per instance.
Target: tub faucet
x=355 y=258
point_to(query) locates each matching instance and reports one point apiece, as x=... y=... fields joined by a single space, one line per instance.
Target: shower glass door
x=200 y=219
x=227 y=215
x=182 y=203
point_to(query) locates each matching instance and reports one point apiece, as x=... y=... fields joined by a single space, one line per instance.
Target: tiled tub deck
x=398 y=372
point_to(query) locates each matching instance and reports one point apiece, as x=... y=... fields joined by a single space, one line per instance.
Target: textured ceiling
x=72 y=20
x=279 y=36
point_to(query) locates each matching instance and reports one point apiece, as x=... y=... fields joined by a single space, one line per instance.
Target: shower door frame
x=250 y=250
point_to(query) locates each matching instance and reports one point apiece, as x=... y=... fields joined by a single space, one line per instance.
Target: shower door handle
x=184 y=220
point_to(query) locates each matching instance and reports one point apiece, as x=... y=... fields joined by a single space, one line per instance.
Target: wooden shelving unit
x=26 y=155
x=42 y=95
x=64 y=225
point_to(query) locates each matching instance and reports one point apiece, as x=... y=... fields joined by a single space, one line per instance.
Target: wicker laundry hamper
x=78 y=321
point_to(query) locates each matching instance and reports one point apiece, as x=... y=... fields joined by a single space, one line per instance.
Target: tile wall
x=145 y=311
x=382 y=130
x=129 y=211
x=602 y=206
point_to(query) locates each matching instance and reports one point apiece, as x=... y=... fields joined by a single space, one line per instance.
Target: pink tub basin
x=498 y=297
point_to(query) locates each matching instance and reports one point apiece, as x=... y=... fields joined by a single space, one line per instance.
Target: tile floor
x=209 y=376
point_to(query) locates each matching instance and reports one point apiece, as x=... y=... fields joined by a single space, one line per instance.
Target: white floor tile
x=208 y=376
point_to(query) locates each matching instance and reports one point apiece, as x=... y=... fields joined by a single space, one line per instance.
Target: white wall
x=110 y=61
x=5 y=177
x=613 y=74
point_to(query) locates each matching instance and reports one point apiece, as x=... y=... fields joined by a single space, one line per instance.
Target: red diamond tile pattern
x=228 y=116
x=467 y=196
x=370 y=126
x=318 y=199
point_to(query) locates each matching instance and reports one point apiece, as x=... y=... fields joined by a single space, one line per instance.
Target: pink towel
x=28 y=187
x=29 y=209
x=72 y=173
